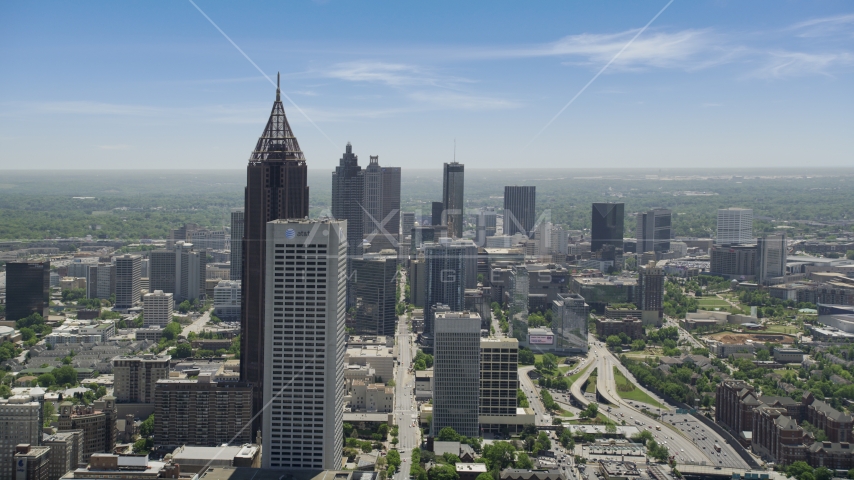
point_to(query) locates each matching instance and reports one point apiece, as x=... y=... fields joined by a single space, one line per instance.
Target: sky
x=157 y=85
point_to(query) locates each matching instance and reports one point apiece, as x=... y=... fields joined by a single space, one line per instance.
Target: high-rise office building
x=276 y=187
x=772 y=257
x=499 y=381
x=407 y=221
x=519 y=291
x=373 y=284
x=520 y=209
x=437 y=214
x=445 y=271
x=456 y=373
x=190 y=272
x=128 y=273
x=227 y=300
x=382 y=205
x=304 y=384
x=27 y=289
x=653 y=230
x=569 y=317
x=486 y=225
x=157 y=308
x=236 y=243
x=20 y=422
x=101 y=282
x=735 y=226
x=607 y=226
x=452 y=197
x=161 y=271
x=136 y=376
x=211 y=413
x=348 y=196
x=651 y=294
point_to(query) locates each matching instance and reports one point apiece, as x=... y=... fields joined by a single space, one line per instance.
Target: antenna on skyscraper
x=455 y=150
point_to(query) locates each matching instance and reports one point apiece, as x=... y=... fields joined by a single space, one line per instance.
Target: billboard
x=541 y=339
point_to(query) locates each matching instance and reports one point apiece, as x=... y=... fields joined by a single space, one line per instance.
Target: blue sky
x=155 y=85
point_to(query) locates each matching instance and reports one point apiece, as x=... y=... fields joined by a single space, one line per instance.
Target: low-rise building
x=632 y=327
x=97 y=421
x=374 y=397
x=788 y=355
x=32 y=462
x=469 y=471
x=380 y=357
x=194 y=459
x=123 y=467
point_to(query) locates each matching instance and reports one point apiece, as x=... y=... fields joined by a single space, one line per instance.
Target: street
x=405 y=410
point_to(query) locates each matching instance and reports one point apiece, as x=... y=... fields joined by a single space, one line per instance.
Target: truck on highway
x=717 y=448
x=658 y=427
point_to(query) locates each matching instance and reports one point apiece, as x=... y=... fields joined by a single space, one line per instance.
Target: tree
x=172 y=330
x=448 y=434
x=450 y=458
x=524 y=462
x=382 y=429
x=499 y=455
x=526 y=357
x=183 y=350
x=393 y=458
x=549 y=361
x=638 y=345
x=48 y=411
x=146 y=428
x=613 y=341
x=65 y=375
x=46 y=380
x=799 y=469
x=484 y=476
x=823 y=473
x=443 y=472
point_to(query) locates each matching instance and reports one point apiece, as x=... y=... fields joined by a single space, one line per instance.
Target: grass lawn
x=566 y=414
x=564 y=368
x=629 y=391
x=576 y=376
x=790 y=329
x=538 y=357
x=712 y=302
x=591 y=384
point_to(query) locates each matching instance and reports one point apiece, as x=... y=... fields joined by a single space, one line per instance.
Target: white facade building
x=157 y=308
x=20 y=418
x=227 y=299
x=304 y=344
x=735 y=226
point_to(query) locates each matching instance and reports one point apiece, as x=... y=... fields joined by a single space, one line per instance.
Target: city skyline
x=736 y=85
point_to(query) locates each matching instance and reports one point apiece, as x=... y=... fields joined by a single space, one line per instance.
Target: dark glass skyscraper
x=445 y=282
x=452 y=197
x=436 y=209
x=373 y=284
x=276 y=188
x=607 y=228
x=27 y=289
x=348 y=192
x=520 y=205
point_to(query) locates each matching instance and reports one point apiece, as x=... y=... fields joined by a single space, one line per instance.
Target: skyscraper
x=382 y=205
x=651 y=294
x=487 y=222
x=520 y=204
x=456 y=373
x=27 y=289
x=161 y=275
x=499 y=381
x=607 y=226
x=348 y=193
x=735 y=226
x=445 y=271
x=407 y=221
x=772 y=257
x=452 y=197
x=190 y=272
x=276 y=187
x=653 y=230
x=304 y=384
x=236 y=243
x=128 y=273
x=437 y=214
x=569 y=314
x=101 y=282
x=373 y=285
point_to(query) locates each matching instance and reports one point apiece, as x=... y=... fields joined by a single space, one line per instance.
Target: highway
x=690 y=442
x=541 y=416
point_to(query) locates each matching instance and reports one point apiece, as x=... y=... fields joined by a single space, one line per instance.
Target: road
x=197 y=324
x=541 y=416
x=405 y=411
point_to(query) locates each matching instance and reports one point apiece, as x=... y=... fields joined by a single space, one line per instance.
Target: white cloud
x=781 y=64
x=392 y=74
x=825 y=26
